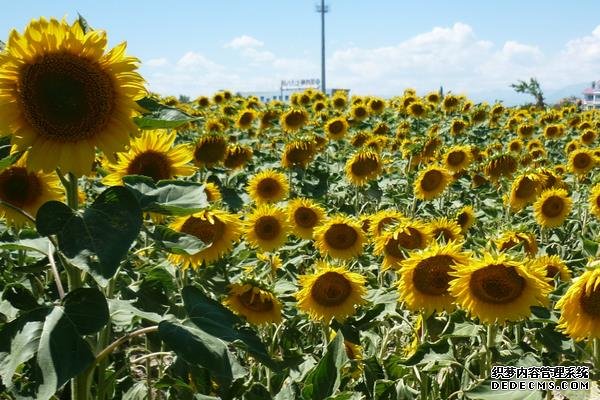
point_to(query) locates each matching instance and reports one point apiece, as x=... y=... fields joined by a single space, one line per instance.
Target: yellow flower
x=237 y=156
x=304 y=215
x=551 y=267
x=267 y=228
x=268 y=186
x=524 y=190
x=594 y=201
x=331 y=292
x=497 y=289
x=457 y=158
x=293 y=120
x=298 y=153
x=62 y=96
x=431 y=182
x=336 y=128
x=581 y=161
x=210 y=150
x=381 y=220
x=392 y=244
x=510 y=239
x=245 y=118
x=212 y=191
x=465 y=218
x=445 y=229
x=339 y=237
x=552 y=207
x=363 y=166
x=257 y=305
x=580 y=307
x=359 y=112
x=154 y=155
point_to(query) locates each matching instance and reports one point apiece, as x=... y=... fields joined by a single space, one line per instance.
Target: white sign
x=293 y=84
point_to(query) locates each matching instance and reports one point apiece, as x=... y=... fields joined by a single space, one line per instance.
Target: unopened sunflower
x=267 y=228
x=258 y=305
x=552 y=207
x=425 y=277
x=216 y=228
x=431 y=182
x=363 y=166
x=339 y=237
x=497 y=289
x=62 y=96
x=331 y=292
x=268 y=186
x=580 y=307
x=304 y=215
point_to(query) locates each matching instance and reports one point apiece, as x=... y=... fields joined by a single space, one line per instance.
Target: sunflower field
x=330 y=247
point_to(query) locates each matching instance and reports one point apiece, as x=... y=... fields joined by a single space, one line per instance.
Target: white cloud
x=244 y=41
x=157 y=62
x=196 y=61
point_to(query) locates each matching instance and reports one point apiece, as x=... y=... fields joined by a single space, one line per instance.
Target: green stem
x=596 y=355
x=490 y=343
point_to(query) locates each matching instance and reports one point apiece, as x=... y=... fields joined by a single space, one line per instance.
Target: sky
x=373 y=47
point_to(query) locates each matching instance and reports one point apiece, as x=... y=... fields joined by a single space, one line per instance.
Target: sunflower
x=213 y=125
x=154 y=155
x=331 y=292
x=237 y=156
x=304 y=215
x=417 y=109
x=552 y=207
x=431 y=182
x=376 y=106
x=336 y=128
x=510 y=239
x=298 y=153
x=382 y=220
x=501 y=165
x=588 y=137
x=515 y=145
x=293 y=120
x=62 y=96
x=363 y=166
x=445 y=229
x=212 y=191
x=551 y=267
x=259 y=306
x=498 y=289
x=245 y=119
x=554 y=131
x=267 y=117
x=457 y=158
x=450 y=103
x=203 y=101
x=210 y=150
x=524 y=190
x=581 y=161
x=267 y=228
x=359 y=112
x=268 y=186
x=339 y=101
x=457 y=127
x=594 y=200
x=339 y=237
x=26 y=189
x=580 y=307
x=425 y=277
x=387 y=244
x=433 y=97
x=525 y=130
x=217 y=228
x=465 y=218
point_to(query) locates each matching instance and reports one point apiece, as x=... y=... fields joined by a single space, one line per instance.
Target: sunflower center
x=582 y=160
x=304 y=217
x=497 y=284
x=341 y=236
x=339 y=102
x=384 y=222
x=335 y=127
x=456 y=158
x=65 y=97
x=152 y=164
x=210 y=150
x=294 y=119
x=363 y=166
x=203 y=229
x=526 y=188
x=236 y=158
x=255 y=302
x=462 y=219
x=331 y=289
x=410 y=240
x=431 y=275
x=246 y=119
x=267 y=227
x=268 y=188
x=444 y=233
x=392 y=248
x=553 y=206
x=376 y=105
x=19 y=187
x=360 y=112
x=299 y=154
x=551 y=271
x=590 y=303
x=431 y=180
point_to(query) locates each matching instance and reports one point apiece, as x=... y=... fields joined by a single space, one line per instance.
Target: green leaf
x=85 y=27
x=590 y=247
x=139 y=391
x=40 y=245
x=213 y=318
x=106 y=230
x=325 y=377
x=19 y=297
x=10 y=159
x=161 y=116
x=87 y=309
x=167 y=197
x=122 y=313
x=178 y=242
x=199 y=348
x=484 y=391
x=431 y=353
x=2 y=45
x=62 y=353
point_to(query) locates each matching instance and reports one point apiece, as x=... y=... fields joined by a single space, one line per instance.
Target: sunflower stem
x=72 y=198
x=490 y=344
x=596 y=356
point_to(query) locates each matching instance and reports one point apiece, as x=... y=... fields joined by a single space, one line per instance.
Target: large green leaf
x=123 y=313
x=324 y=379
x=178 y=242
x=106 y=230
x=198 y=347
x=167 y=197
x=87 y=309
x=210 y=316
x=19 y=297
x=161 y=116
x=10 y=159
x=484 y=391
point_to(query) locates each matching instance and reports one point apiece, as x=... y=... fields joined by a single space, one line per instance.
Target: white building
x=591 y=96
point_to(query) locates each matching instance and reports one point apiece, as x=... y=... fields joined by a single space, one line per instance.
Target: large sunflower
x=431 y=182
x=304 y=215
x=363 y=166
x=331 y=292
x=339 y=237
x=62 y=96
x=210 y=150
x=257 y=305
x=552 y=207
x=217 y=228
x=268 y=186
x=237 y=156
x=580 y=307
x=425 y=277
x=497 y=289
x=267 y=228
x=27 y=190
x=152 y=155
x=524 y=190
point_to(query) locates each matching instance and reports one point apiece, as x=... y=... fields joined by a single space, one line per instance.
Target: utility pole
x=322 y=9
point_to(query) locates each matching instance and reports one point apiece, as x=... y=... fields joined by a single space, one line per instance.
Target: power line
x=323 y=9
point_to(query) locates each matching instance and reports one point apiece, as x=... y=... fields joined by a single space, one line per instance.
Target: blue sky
x=373 y=47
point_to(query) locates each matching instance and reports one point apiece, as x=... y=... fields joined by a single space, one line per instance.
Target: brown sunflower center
x=590 y=303
x=267 y=227
x=455 y=158
x=331 y=289
x=582 y=160
x=497 y=284
x=299 y=154
x=553 y=206
x=444 y=233
x=236 y=158
x=152 y=164
x=392 y=249
x=268 y=188
x=363 y=166
x=339 y=102
x=65 y=97
x=255 y=302
x=294 y=119
x=246 y=119
x=19 y=187
x=431 y=180
x=335 y=127
x=360 y=112
x=552 y=271
x=341 y=236
x=203 y=229
x=410 y=239
x=431 y=275
x=305 y=217
x=210 y=150
x=462 y=219
x=526 y=188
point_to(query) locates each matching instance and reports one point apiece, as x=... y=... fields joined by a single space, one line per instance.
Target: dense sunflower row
x=455 y=207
